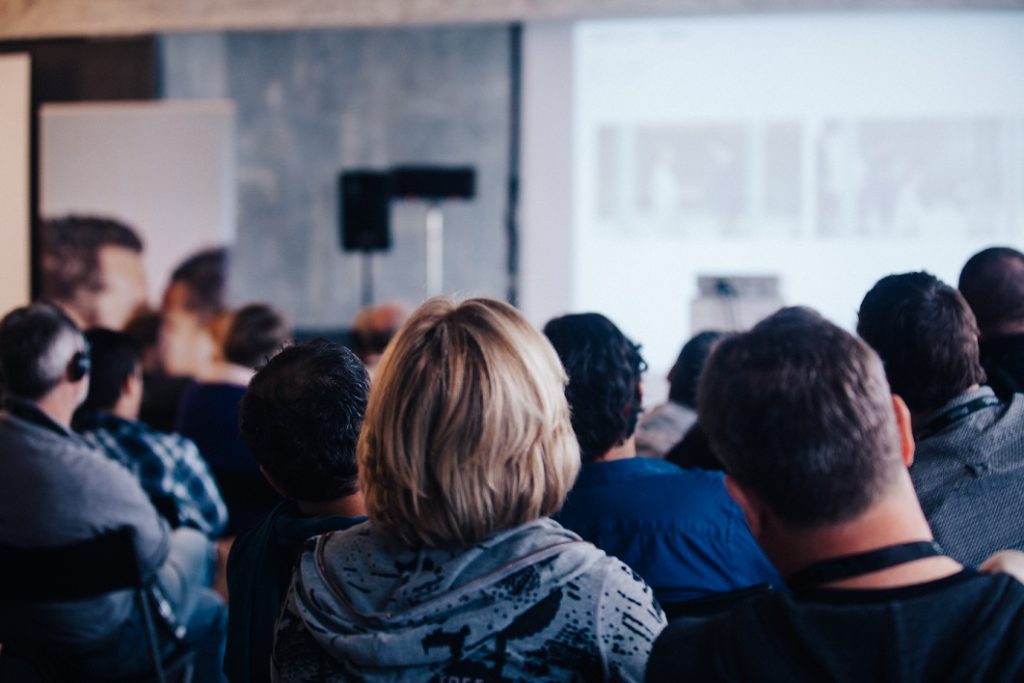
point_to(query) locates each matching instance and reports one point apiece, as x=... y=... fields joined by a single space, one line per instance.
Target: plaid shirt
x=168 y=466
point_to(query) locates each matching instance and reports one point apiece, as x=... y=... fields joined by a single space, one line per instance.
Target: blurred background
x=677 y=165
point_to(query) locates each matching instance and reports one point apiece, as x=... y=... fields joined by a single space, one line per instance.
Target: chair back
x=75 y=571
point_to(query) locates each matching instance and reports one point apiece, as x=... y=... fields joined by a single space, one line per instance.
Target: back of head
x=199 y=284
x=255 y=334
x=70 y=258
x=799 y=410
x=467 y=429
x=38 y=344
x=685 y=374
x=604 y=369
x=927 y=337
x=300 y=418
x=115 y=357
x=374 y=327
x=992 y=282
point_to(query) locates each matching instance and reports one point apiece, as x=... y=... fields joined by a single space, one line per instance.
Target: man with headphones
x=55 y=490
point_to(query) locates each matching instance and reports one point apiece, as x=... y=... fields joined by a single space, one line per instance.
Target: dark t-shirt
x=966 y=627
x=1003 y=360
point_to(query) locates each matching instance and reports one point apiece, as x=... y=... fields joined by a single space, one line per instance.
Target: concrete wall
x=310 y=103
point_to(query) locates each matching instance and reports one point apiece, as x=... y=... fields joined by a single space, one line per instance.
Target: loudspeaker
x=434 y=182
x=365 y=220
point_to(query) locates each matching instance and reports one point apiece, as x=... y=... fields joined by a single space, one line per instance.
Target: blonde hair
x=467 y=427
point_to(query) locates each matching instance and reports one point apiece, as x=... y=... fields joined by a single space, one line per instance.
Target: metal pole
x=367 y=277
x=435 y=250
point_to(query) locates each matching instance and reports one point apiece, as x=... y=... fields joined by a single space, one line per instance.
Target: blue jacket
x=677 y=528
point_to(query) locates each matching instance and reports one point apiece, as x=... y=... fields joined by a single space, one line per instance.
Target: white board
x=166 y=168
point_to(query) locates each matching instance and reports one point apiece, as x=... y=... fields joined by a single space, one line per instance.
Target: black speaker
x=434 y=182
x=364 y=198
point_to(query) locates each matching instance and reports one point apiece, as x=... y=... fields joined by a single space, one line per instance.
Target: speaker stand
x=367 y=271
x=435 y=250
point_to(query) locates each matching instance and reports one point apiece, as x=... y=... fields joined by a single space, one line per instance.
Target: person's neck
x=1008 y=329
x=59 y=406
x=920 y=418
x=894 y=520
x=625 y=450
x=349 y=506
x=224 y=372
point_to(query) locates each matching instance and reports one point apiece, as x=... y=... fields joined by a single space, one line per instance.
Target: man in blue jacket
x=676 y=528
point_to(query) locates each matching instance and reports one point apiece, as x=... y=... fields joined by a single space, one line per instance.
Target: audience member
x=678 y=529
x=55 y=489
x=816 y=449
x=168 y=466
x=992 y=282
x=209 y=413
x=300 y=419
x=92 y=268
x=161 y=393
x=969 y=465
x=665 y=425
x=194 y=300
x=458 y=575
x=372 y=330
x=694 y=451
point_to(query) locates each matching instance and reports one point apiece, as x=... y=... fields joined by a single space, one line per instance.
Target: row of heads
x=477 y=421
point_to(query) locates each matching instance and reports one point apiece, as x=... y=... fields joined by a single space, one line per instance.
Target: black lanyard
x=940 y=422
x=849 y=566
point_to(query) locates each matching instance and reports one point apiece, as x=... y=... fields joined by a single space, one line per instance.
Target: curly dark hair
x=301 y=418
x=604 y=369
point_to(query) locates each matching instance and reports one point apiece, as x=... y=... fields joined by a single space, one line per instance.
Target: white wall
x=15 y=107
x=167 y=168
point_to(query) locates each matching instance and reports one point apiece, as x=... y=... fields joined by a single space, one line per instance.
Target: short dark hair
x=685 y=374
x=799 y=410
x=604 y=369
x=992 y=282
x=204 y=275
x=301 y=417
x=31 y=361
x=69 y=248
x=926 y=335
x=256 y=333
x=115 y=355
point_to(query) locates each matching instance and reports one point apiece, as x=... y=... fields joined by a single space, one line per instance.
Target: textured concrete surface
x=310 y=103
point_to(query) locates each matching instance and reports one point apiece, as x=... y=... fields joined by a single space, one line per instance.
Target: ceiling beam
x=29 y=19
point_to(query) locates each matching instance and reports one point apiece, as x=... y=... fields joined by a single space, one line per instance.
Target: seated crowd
x=473 y=499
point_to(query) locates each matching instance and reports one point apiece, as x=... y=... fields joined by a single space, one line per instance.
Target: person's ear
x=905 y=428
x=753 y=507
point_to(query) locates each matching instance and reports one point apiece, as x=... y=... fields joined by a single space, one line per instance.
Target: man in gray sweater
x=968 y=469
x=55 y=490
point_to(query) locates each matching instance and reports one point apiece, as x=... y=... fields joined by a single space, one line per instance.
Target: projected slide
x=827 y=150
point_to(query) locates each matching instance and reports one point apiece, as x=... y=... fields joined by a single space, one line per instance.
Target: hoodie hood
x=376 y=604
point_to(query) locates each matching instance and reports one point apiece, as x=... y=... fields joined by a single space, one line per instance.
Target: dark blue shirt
x=677 y=528
x=208 y=415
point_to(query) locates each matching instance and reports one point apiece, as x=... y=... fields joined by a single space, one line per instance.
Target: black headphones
x=79 y=365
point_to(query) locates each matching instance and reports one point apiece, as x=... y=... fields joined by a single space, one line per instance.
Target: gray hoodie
x=533 y=603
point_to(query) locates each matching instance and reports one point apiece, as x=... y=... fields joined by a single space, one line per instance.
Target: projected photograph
x=916 y=177
x=700 y=180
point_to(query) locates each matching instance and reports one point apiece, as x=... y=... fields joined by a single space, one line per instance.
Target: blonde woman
x=459 y=575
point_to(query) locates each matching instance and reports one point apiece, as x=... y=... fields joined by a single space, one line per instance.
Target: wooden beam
x=29 y=19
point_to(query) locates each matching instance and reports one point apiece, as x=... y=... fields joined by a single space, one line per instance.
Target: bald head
x=992 y=282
